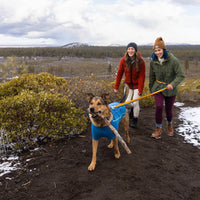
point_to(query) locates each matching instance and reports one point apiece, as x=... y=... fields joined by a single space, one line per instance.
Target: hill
x=75 y=45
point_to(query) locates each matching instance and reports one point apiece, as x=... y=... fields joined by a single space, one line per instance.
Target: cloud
x=186 y=2
x=99 y=22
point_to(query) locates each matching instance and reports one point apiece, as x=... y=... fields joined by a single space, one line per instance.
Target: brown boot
x=157 y=133
x=170 y=130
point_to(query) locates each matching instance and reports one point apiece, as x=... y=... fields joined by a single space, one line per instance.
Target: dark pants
x=169 y=104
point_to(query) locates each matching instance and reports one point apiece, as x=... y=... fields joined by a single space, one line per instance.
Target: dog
x=99 y=127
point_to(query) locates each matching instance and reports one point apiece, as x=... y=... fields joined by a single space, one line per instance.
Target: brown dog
x=99 y=127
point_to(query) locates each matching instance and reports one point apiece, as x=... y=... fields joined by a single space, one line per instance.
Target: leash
x=127 y=102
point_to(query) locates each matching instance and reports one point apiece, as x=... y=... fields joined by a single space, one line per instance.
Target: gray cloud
x=186 y=2
x=117 y=22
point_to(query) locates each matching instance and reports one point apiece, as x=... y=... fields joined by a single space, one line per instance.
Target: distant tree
x=186 y=65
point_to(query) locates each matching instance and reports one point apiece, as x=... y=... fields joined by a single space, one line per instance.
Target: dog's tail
x=126 y=91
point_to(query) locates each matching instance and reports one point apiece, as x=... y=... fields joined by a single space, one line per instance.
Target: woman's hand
x=170 y=87
x=115 y=90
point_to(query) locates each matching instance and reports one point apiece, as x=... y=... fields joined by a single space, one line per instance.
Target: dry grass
x=98 y=75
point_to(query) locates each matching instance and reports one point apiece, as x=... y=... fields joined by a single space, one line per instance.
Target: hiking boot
x=170 y=130
x=134 y=122
x=157 y=133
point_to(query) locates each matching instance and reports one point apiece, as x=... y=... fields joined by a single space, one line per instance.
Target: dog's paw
x=128 y=139
x=117 y=155
x=91 y=167
x=110 y=146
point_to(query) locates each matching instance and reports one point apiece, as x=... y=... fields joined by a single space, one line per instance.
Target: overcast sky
x=98 y=22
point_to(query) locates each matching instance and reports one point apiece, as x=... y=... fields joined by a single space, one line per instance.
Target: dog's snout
x=92 y=109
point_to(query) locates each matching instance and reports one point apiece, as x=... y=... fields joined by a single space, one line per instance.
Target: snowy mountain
x=74 y=44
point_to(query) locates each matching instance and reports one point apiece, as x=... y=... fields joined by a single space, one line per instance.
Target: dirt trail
x=156 y=170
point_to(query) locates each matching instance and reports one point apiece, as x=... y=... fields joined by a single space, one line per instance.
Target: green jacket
x=169 y=71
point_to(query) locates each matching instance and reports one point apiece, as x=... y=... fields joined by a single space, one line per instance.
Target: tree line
x=181 y=51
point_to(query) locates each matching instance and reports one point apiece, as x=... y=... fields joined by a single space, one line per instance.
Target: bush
x=11 y=68
x=27 y=116
x=35 y=105
x=34 y=82
x=188 y=90
x=77 y=89
x=147 y=101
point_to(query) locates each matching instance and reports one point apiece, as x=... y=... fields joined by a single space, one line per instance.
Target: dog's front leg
x=94 y=155
x=116 y=148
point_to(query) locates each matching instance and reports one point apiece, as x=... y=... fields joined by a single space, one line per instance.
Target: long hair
x=128 y=61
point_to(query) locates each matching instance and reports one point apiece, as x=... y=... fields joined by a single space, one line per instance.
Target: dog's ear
x=105 y=97
x=89 y=96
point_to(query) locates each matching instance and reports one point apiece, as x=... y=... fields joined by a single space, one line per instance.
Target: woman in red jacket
x=133 y=66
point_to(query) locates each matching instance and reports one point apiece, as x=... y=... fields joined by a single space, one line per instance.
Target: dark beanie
x=132 y=44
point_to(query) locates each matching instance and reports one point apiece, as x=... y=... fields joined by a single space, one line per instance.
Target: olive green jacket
x=169 y=71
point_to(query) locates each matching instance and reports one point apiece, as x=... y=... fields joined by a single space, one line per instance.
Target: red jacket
x=134 y=79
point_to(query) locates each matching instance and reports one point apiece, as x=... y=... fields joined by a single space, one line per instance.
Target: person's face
x=158 y=52
x=131 y=51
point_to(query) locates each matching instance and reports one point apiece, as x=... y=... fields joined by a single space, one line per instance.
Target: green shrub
x=149 y=100
x=198 y=87
x=188 y=90
x=29 y=115
x=78 y=88
x=12 y=68
x=34 y=82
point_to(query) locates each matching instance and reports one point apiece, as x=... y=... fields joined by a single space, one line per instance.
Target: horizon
x=84 y=44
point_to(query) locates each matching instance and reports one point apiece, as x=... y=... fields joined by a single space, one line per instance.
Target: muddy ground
x=156 y=170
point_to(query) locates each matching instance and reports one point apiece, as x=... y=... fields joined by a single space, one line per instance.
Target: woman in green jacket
x=165 y=71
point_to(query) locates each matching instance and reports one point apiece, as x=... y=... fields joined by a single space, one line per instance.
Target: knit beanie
x=159 y=43
x=132 y=44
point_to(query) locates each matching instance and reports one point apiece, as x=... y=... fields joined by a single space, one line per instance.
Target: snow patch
x=190 y=128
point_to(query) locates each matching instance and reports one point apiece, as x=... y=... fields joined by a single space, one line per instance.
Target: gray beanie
x=132 y=44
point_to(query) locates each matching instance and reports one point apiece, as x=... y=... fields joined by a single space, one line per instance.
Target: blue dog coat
x=118 y=114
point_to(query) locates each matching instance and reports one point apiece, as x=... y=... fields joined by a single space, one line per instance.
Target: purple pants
x=169 y=104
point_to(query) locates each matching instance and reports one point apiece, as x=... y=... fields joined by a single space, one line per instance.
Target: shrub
x=78 y=88
x=34 y=82
x=12 y=68
x=29 y=115
x=188 y=90
x=147 y=101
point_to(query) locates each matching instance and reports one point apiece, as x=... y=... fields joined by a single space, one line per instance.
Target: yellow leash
x=127 y=102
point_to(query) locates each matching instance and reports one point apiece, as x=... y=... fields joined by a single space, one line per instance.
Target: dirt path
x=156 y=170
